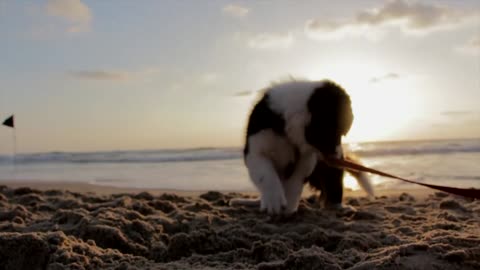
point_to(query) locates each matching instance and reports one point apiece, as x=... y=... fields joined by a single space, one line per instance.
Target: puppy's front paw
x=273 y=201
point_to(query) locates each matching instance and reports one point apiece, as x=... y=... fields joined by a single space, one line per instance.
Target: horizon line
x=231 y=147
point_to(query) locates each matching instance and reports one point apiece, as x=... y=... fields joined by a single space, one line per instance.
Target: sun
x=382 y=114
x=382 y=109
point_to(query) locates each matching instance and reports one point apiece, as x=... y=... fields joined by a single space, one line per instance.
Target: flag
x=9 y=122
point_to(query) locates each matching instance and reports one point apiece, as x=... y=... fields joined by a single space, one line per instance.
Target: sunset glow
x=86 y=75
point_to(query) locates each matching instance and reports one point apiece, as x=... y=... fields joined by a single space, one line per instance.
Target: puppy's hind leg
x=329 y=181
x=332 y=191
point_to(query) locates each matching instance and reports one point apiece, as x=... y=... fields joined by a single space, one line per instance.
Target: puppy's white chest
x=295 y=130
x=278 y=149
x=282 y=154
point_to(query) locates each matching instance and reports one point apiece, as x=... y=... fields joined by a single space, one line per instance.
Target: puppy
x=290 y=130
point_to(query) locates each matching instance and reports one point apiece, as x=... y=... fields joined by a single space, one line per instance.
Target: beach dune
x=60 y=229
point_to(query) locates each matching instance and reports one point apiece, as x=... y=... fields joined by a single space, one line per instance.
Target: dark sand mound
x=64 y=230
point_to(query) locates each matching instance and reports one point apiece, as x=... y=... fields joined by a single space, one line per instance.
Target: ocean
x=446 y=162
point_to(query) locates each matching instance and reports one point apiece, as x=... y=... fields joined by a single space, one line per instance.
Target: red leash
x=466 y=192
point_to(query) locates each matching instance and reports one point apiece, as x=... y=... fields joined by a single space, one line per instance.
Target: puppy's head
x=331 y=118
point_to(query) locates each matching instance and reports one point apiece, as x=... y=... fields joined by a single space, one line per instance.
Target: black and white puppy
x=290 y=129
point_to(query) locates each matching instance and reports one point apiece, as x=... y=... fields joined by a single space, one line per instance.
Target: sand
x=46 y=228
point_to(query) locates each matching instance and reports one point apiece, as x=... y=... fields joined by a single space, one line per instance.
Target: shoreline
x=82 y=187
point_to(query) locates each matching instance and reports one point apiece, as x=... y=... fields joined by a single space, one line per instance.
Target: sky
x=85 y=75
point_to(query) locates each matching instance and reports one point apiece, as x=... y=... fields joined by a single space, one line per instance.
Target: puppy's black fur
x=263 y=117
x=332 y=117
x=329 y=181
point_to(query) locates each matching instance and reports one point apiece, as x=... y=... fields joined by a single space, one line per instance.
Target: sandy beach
x=79 y=226
x=131 y=132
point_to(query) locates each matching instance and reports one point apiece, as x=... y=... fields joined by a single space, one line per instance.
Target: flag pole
x=14 y=153
x=10 y=122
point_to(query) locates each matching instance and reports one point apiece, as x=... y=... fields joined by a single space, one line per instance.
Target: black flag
x=9 y=122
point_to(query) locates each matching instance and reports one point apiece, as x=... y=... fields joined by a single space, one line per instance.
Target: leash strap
x=345 y=164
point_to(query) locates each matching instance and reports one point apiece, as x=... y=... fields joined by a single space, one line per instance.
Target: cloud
x=209 y=77
x=415 y=16
x=459 y=113
x=100 y=75
x=329 y=30
x=410 y=17
x=389 y=76
x=114 y=75
x=474 y=42
x=271 y=41
x=235 y=10
x=472 y=46
x=75 y=12
x=243 y=93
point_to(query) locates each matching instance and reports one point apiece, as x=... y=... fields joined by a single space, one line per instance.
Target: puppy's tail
x=362 y=178
x=245 y=202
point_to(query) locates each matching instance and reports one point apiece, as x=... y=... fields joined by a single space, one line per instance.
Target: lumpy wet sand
x=59 y=229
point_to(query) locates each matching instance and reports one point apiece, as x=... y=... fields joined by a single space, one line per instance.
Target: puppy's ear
x=331 y=106
x=345 y=116
x=331 y=117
